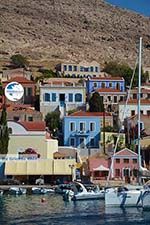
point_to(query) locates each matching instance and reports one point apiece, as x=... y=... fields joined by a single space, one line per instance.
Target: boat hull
x=131 y=198
x=146 y=200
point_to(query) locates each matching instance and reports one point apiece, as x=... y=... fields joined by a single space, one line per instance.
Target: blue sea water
x=30 y=210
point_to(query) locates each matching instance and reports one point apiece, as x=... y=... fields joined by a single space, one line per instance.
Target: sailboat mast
x=139 y=103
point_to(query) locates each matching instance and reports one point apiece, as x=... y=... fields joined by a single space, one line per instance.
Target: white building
x=132 y=108
x=81 y=70
x=62 y=95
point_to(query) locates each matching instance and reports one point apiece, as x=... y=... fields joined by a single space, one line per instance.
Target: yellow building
x=29 y=165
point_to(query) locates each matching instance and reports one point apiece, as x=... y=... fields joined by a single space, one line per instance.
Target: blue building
x=82 y=130
x=94 y=83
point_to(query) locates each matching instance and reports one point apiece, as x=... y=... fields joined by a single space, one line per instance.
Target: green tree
x=123 y=70
x=53 y=121
x=46 y=73
x=4 y=133
x=96 y=103
x=19 y=61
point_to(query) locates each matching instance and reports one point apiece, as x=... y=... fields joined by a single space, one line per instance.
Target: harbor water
x=30 y=210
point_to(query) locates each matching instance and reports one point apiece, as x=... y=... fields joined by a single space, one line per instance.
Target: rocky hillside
x=71 y=30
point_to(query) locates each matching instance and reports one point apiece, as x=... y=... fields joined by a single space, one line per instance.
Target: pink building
x=99 y=168
x=125 y=165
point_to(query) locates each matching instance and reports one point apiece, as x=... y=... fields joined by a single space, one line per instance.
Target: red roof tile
x=33 y=126
x=88 y=114
x=135 y=102
x=107 y=78
x=108 y=90
x=22 y=80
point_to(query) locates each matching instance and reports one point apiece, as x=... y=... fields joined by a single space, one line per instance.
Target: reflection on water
x=30 y=210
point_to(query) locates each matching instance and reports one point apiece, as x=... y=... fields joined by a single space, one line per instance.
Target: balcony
x=82 y=133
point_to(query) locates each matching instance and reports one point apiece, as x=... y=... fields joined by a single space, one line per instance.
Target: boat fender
x=43 y=200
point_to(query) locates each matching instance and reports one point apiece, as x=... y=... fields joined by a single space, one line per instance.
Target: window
x=70 y=97
x=126 y=172
x=78 y=97
x=118 y=86
x=72 y=126
x=86 y=69
x=16 y=118
x=10 y=130
x=81 y=68
x=74 y=68
x=121 y=98
x=29 y=91
x=82 y=126
x=96 y=69
x=110 y=84
x=95 y=84
x=72 y=142
x=47 y=97
x=65 y=68
x=115 y=99
x=70 y=68
x=134 y=96
x=103 y=85
x=92 y=142
x=141 y=111
x=126 y=160
x=148 y=112
x=134 y=161
x=117 y=160
x=92 y=126
x=30 y=118
x=132 y=112
x=141 y=95
x=117 y=172
x=109 y=98
x=91 y=68
x=53 y=97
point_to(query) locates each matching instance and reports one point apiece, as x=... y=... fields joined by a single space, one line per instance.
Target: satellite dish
x=14 y=91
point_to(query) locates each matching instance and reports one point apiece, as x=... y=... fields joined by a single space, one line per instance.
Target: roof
x=18 y=79
x=108 y=90
x=33 y=126
x=125 y=152
x=90 y=114
x=135 y=102
x=107 y=78
x=101 y=168
x=94 y=163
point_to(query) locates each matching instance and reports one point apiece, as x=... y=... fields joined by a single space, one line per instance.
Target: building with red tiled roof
x=131 y=108
x=111 y=90
x=26 y=127
x=29 y=89
x=19 y=72
x=145 y=93
x=22 y=112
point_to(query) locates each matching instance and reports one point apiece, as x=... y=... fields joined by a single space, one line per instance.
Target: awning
x=101 y=168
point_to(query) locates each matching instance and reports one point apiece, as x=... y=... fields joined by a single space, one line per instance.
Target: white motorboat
x=123 y=197
x=146 y=197
x=41 y=190
x=81 y=193
x=17 y=191
x=1 y=192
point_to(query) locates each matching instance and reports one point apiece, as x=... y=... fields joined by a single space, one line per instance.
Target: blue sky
x=140 y=6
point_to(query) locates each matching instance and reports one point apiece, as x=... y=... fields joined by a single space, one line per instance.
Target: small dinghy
x=17 y=191
x=41 y=190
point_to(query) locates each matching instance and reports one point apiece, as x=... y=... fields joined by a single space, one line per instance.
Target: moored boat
x=79 y=192
x=41 y=190
x=17 y=191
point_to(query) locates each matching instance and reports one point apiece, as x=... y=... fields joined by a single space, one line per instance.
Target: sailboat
x=123 y=196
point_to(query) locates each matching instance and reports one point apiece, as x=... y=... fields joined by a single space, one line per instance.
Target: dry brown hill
x=71 y=30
